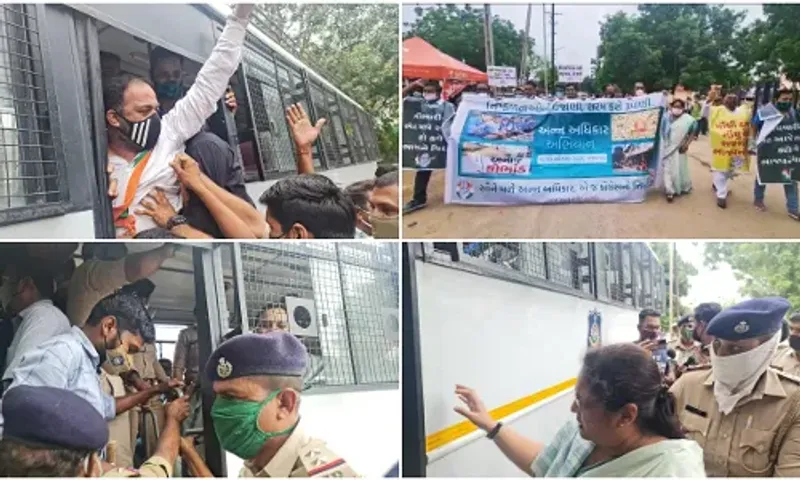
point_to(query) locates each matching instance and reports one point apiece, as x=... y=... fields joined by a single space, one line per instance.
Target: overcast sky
x=577 y=28
x=708 y=285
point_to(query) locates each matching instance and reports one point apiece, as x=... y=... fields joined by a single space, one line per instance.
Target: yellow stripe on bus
x=454 y=432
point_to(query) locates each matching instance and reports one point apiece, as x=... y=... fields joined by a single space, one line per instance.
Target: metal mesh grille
x=353 y=132
x=354 y=290
x=29 y=171
x=338 y=127
x=615 y=268
x=328 y=138
x=272 y=132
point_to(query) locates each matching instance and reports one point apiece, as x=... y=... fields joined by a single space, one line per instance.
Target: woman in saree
x=624 y=426
x=677 y=180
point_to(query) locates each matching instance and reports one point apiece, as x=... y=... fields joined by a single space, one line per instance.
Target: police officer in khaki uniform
x=257 y=380
x=145 y=362
x=788 y=359
x=743 y=413
x=42 y=420
x=119 y=429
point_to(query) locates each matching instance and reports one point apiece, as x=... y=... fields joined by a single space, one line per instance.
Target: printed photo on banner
x=529 y=151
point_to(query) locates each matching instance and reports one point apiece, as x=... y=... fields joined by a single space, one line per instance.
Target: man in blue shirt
x=71 y=361
x=783 y=103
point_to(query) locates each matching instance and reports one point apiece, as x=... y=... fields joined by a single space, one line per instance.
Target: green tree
x=664 y=45
x=458 y=32
x=683 y=270
x=355 y=46
x=763 y=269
x=773 y=44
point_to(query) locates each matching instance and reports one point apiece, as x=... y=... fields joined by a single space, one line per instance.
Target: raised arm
x=191 y=112
x=520 y=450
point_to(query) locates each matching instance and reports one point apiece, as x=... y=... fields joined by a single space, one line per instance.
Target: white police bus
x=53 y=144
x=510 y=320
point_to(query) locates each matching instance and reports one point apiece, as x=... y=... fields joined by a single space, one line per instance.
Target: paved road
x=692 y=216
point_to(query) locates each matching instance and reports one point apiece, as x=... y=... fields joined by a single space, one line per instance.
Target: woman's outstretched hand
x=474 y=411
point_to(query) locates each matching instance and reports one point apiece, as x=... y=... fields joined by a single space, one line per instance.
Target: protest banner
x=570 y=73
x=779 y=153
x=502 y=76
x=534 y=151
x=424 y=147
x=729 y=132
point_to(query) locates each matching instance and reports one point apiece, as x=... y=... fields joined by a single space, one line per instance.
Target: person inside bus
x=54 y=432
x=257 y=380
x=26 y=293
x=624 y=426
x=213 y=154
x=142 y=146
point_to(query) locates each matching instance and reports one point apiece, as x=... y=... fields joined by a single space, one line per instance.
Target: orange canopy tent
x=423 y=60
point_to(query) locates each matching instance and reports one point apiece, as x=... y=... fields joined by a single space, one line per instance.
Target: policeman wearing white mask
x=744 y=413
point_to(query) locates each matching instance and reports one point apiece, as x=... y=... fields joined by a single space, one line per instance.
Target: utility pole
x=544 y=57
x=487 y=35
x=553 y=42
x=671 y=283
x=523 y=62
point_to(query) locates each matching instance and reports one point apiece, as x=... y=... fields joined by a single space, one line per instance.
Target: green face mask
x=686 y=333
x=236 y=424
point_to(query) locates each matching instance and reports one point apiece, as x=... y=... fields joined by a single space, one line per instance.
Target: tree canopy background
x=764 y=269
x=683 y=270
x=355 y=48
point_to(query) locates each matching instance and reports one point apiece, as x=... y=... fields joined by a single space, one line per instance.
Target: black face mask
x=794 y=342
x=141 y=135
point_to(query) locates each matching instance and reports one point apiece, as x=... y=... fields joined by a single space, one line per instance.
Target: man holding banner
x=424 y=141
x=729 y=126
x=778 y=144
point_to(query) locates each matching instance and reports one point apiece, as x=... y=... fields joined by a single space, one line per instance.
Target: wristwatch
x=176 y=221
x=494 y=431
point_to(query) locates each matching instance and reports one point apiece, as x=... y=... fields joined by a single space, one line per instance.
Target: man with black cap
x=72 y=360
x=743 y=413
x=52 y=432
x=788 y=359
x=257 y=380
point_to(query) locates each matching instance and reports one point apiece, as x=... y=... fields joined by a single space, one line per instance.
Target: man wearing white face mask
x=744 y=413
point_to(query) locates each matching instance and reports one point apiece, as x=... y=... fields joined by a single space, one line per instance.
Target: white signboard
x=570 y=73
x=502 y=76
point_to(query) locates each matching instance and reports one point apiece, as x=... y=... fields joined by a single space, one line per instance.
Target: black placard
x=424 y=146
x=779 y=153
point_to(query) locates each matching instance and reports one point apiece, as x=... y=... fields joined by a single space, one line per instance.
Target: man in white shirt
x=142 y=145
x=26 y=291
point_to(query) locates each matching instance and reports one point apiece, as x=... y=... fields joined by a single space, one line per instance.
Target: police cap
x=749 y=319
x=52 y=417
x=272 y=354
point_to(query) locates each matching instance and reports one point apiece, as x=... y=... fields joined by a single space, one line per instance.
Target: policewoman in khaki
x=257 y=380
x=743 y=413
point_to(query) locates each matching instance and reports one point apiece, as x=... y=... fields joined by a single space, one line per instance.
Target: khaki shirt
x=684 y=353
x=786 y=360
x=187 y=354
x=741 y=444
x=146 y=364
x=153 y=467
x=91 y=282
x=302 y=456
x=119 y=429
